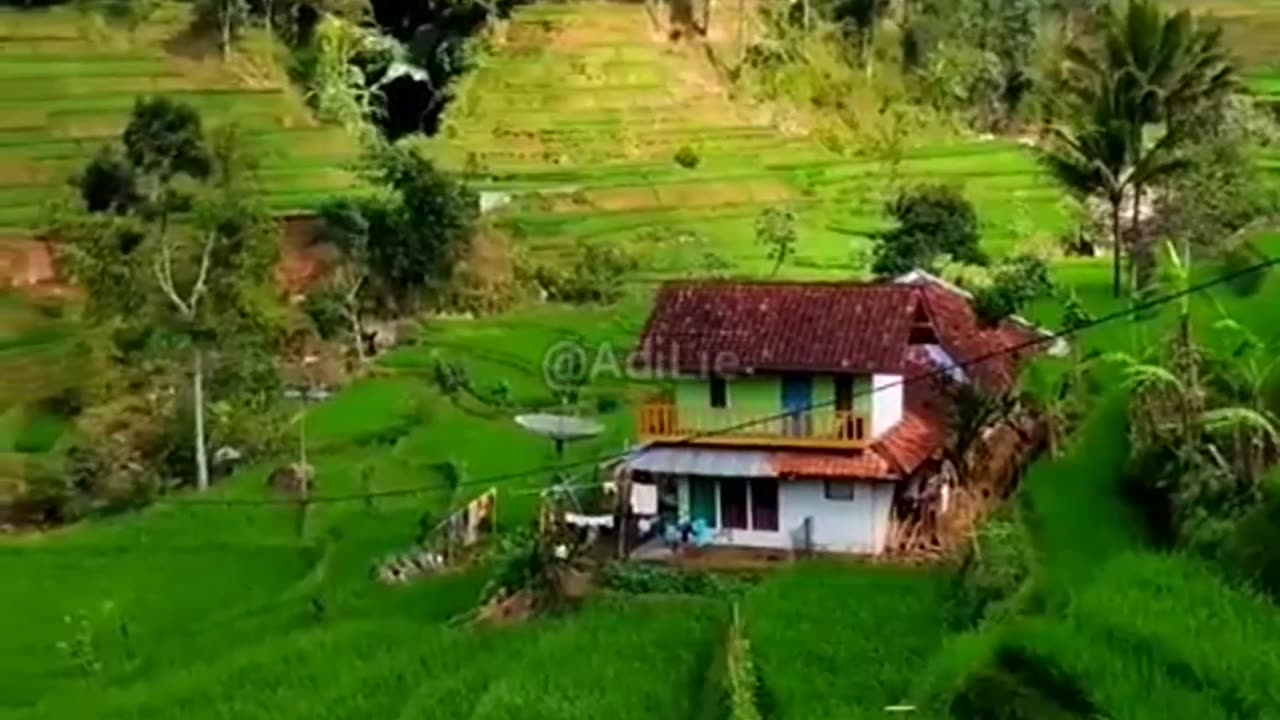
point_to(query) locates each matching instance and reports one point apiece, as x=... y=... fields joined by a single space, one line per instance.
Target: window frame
x=724 y=392
x=827 y=494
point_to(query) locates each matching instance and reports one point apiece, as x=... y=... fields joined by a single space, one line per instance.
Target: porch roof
x=797 y=464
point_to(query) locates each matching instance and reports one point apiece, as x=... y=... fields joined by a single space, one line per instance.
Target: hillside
x=240 y=604
x=577 y=114
x=68 y=82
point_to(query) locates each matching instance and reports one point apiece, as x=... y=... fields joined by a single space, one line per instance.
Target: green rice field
x=68 y=82
x=578 y=132
x=573 y=118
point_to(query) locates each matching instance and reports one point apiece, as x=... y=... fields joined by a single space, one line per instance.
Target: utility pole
x=308 y=392
x=623 y=513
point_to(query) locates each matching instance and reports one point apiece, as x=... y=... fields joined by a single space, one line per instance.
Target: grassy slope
x=249 y=576
x=836 y=641
x=67 y=83
x=1111 y=623
x=579 y=112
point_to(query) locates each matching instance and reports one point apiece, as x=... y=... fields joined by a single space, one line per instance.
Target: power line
x=560 y=468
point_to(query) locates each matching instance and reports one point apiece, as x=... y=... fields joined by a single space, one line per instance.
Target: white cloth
x=596 y=521
x=644 y=499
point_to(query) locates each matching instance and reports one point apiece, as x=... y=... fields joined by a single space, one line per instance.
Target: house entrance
x=702 y=500
x=797 y=401
x=733 y=503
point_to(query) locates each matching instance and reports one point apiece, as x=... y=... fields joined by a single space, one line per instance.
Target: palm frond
x=1139 y=376
x=1231 y=418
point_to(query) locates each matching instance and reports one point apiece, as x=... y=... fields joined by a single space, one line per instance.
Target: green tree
x=164 y=141
x=1224 y=190
x=776 y=230
x=108 y=183
x=406 y=240
x=187 y=291
x=1092 y=156
x=1160 y=70
x=933 y=221
x=345 y=223
x=1014 y=283
x=336 y=86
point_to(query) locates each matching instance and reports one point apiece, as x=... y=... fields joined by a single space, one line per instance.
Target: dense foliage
x=932 y=221
x=403 y=243
x=169 y=292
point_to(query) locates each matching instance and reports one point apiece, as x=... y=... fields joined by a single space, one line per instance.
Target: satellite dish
x=560 y=428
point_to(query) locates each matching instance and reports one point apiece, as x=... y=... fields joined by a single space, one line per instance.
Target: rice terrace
x=755 y=360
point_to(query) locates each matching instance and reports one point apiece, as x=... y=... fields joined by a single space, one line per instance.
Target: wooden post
x=623 y=513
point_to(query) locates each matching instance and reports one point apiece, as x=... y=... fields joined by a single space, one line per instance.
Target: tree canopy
x=933 y=220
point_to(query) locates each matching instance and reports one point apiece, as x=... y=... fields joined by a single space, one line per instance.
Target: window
x=719 y=392
x=921 y=329
x=733 y=503
x=764 y=504
x=844 y=393
x=834 y=490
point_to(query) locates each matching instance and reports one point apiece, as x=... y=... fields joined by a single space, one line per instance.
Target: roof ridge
x=714 y=282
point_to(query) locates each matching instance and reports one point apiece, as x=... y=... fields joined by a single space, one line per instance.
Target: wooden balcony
x=830 y=429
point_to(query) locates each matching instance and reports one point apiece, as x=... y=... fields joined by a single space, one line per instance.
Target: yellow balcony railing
x=823 y=428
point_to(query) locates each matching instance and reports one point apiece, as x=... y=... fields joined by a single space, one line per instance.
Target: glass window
x=835 y=490
x=719 y=392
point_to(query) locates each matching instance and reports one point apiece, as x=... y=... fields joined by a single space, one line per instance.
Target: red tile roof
x=989 y=355
x=737 y=327
x=845 y=327
x=747 y=327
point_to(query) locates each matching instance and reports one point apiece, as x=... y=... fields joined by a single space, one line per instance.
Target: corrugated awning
x=702 y=461
x=712 y=462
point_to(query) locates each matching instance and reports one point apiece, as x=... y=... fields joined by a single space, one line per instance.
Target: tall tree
x=183 y=290
x=1091 y=154
x=346 y=223
x=1163 y=68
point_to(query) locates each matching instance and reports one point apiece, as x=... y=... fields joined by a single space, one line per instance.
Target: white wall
x=886 y=403
x=855 y=526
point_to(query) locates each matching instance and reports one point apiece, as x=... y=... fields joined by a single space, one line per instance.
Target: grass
x=832 y=641
x=248 y=612
x=68 y=83
x=610 y=660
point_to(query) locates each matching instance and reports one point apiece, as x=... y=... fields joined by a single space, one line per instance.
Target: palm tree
x=1164 y=68
x=1095 y=156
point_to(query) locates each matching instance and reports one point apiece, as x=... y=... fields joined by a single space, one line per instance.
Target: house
x=799 y=413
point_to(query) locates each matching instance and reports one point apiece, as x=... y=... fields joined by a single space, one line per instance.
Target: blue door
x=797 y=401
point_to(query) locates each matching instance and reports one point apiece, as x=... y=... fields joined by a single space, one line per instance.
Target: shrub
x=324 y=307
x=993 y=303
x=1014 y=283
x=933 y=220
x=687 y=157
x=596 y=276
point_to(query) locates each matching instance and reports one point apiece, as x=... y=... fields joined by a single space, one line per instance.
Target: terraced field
x=67 y=84
x=577 y=114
